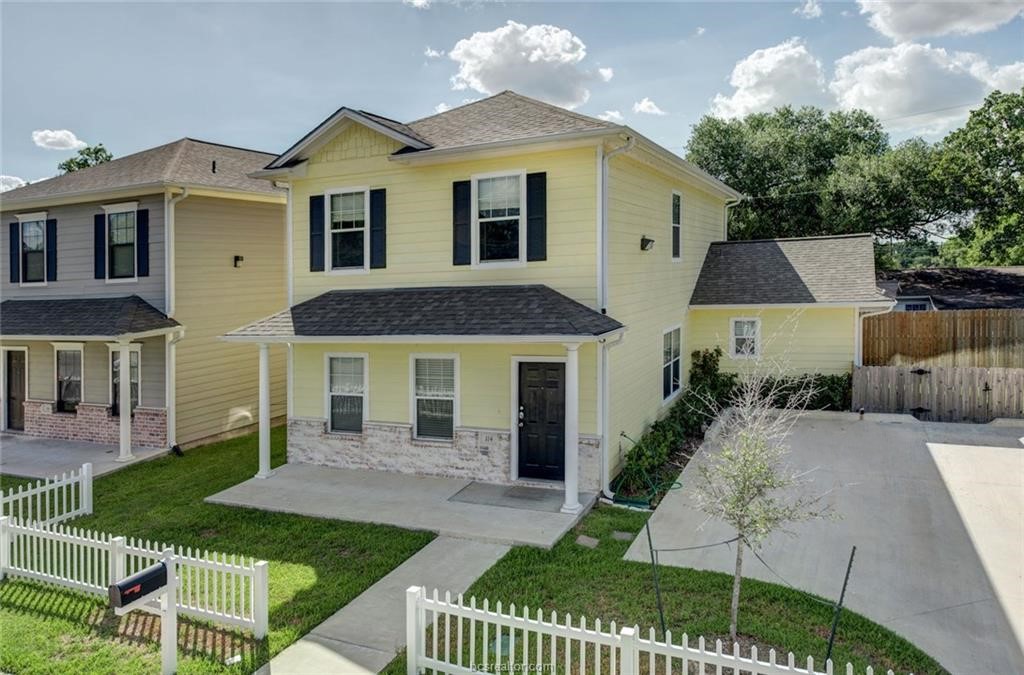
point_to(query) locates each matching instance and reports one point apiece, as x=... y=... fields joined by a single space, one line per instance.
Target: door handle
x=522 y=416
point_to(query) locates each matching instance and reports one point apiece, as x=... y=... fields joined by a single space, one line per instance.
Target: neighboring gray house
x=940 y=288
x=128 y=271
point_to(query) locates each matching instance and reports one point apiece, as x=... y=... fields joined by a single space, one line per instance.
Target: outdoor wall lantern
x=646 y=243
x=239 y=260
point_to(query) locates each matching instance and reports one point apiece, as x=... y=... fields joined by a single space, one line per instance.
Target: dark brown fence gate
x=940 y=394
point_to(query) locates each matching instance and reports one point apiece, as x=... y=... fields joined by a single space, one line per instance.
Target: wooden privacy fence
x=446 y=636
x=940 y=394
x=211 y=586
x=52 y=500
x=975 y=338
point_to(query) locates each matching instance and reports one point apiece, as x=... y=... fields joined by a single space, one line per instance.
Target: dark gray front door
x=15 y=387
x=542 y=420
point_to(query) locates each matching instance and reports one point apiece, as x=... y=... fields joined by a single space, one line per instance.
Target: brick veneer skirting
x=475 y=454
x=94 y=423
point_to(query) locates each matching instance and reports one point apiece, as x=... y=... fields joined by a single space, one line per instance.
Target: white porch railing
x=211 y=586
x=52 y=500
x=446 y=636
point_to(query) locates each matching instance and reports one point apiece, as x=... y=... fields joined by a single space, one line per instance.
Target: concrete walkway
x=37 y=457
x=366 y=634
x=936 y=511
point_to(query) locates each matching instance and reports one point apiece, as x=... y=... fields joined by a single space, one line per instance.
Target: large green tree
x=88 y=156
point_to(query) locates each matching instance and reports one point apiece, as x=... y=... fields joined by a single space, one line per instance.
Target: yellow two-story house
x=499 y=292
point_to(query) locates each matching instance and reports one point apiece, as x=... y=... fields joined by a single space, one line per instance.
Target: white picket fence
x=52 y=500
x=212 y=586
x=449 y=636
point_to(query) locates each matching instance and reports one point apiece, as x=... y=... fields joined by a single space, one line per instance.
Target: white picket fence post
x=116 y=565
x=261 y=599
x=5 y=545
x=87 y=487
x=412 y=632
x=629 y=651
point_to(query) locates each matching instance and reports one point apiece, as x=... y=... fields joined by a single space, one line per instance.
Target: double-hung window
x=499 y=215
x=671 y=375
x=677 y=226
x=33 y=250
x=68 y=368
x=121 y=244
x=435 y=396
x=115 y=378
x=348 y=238
x=346 y=392
x=745 y=338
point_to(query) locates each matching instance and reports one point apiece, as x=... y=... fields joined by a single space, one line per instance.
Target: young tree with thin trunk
x=746 y=483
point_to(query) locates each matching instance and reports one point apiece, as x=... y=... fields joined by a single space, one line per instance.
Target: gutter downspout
x=170 y=347
x=602 y=291
x=171 y=386
x=858 y=355
x=169 y=275
x=603 y=348
x=725 y=226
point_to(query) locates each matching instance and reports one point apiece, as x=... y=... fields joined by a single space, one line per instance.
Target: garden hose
x=654 y=487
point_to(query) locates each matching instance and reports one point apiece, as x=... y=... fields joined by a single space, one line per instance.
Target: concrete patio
x=36 y=457
x=450 y=507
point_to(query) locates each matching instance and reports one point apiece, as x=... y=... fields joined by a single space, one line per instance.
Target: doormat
x=510 y=496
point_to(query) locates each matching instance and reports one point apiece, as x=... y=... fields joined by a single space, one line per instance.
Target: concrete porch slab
x=402 y=500
x=37 y=457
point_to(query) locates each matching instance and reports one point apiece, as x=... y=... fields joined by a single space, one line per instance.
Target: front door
x=542 y=420
x=15 y=387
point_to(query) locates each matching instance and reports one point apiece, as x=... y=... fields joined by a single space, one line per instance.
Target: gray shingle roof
x=187 y=161
x=87 y=317
x=789 y=271
x=959 y=287
x=450 y=310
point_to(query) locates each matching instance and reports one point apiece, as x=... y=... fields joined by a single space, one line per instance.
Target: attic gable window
x=348 y=243
x=499 y=230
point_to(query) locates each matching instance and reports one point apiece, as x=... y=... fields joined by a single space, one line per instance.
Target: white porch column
x=124 y=400
x=264 y=471
x=572 y=430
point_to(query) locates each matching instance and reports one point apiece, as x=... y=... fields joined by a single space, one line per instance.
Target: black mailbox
x=138 y=585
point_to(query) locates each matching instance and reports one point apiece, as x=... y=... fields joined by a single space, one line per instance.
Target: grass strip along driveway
x=316 y=567
x=598 y=583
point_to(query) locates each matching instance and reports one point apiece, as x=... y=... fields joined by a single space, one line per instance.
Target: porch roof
x=448 y=313
x=87 y=318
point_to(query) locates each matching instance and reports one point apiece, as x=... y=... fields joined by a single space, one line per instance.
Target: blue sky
x=260 y=75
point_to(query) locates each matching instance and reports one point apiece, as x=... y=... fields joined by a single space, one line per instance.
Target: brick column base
x=94 y=423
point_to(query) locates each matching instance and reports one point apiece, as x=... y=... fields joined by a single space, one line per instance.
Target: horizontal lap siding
x=75 y=264
x=647 y=291
x=803 y=341
x=485 y=384
x=217 y=382
x=419 y=217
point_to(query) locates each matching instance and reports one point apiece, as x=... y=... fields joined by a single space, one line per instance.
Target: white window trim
x=475 y=221
x=456 y=408
x=69 y=347
x=732 y=337
x=113 y=347
x=661 y=371
x=110 y=210
x=31 y=218
x=3 y=381
x=365 y=268
x=365 y=356
x=673 y=226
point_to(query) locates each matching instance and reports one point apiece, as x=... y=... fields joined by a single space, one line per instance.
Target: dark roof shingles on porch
x=99 y=317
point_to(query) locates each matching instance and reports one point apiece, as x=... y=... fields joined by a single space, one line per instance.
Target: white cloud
x=700 y=31
x=648 y=107
x=432 y=53
x=418 y=4
x=902 y=20
x=542 y=61
x=784 y=74
x=57 y=139
x=606 y=74
x=442 y=107
x=10 y=182
x=918 y=87
x=811 y=9
x=611 y=116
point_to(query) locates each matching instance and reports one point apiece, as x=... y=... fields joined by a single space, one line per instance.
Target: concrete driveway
x=936 y=512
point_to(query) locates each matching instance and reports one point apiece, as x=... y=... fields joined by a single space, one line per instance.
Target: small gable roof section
x=835 y=270
x=470 y=313
x=85 y=318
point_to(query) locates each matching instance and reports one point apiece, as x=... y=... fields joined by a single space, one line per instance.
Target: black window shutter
x=99 y=245
x=51 y=249
x=316 y=233
x=378 y=228
x=15 y=253
x=537 y=216
x=142 y=242
x=461 y=222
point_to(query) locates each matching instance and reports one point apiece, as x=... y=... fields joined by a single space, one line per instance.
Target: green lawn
x=316 y=567
x=598 y=583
